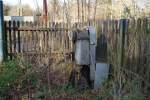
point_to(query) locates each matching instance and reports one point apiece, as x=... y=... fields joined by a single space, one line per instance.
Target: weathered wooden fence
x=32 y=37
x=126 y=45
x=46 y=48
x=130 y=41
x=123 y=44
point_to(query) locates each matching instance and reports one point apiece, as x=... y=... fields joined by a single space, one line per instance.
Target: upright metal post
x=1 y=31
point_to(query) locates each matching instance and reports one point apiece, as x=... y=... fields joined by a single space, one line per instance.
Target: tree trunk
x=78 y=3
x=89 y=11
x=95 y=8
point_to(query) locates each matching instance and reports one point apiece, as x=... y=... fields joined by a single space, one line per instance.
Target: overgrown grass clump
x=14 y=77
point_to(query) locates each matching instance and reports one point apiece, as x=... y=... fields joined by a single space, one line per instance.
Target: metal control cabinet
x=82 y=46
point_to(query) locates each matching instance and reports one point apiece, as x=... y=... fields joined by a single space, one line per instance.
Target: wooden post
x=2 y=49
x=122 y=40
x=18 y=42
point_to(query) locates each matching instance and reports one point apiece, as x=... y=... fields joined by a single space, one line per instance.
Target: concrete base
x=101 y=74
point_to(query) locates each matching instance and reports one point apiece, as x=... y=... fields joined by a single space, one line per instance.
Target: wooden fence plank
x=5 y=41
x=19 y=45
x=14 y=37
x=22 y=38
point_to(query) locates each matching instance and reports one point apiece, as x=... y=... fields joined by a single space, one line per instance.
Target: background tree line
x=84 y=10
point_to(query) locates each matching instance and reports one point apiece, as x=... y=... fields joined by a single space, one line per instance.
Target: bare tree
x=27 y=11
x=67 y=12
x=82 y=4
x=89 y=1
x=6 y=9
x=54 y=9
x=78 y=4
x=85 y=10
x=95 y=8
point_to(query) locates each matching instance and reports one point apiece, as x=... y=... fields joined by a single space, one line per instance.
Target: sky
x=32 y=3
x=141 y=3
